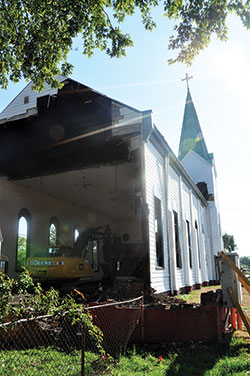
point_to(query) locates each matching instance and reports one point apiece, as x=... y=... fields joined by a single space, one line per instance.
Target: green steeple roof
x=191 y=134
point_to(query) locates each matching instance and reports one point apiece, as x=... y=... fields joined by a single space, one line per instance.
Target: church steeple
x=191 y=134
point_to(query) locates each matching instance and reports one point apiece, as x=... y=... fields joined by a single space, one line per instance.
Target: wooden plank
x=239 y=321
x=245 y=285
x=233 y=318
x=239 y=309
x=242 y=278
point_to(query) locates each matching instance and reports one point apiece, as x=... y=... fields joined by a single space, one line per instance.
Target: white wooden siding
x=186 y=202
x=187 y=216
x=175 y=204
x=208 y=253
x=204 y=276
x=17 y=106
x=155 y=185
x=196 y=246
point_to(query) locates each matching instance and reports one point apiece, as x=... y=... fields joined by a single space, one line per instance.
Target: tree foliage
x=36 y=36
x=229 y=243
x=245 y=261
x=32 y=301
x=21 y=252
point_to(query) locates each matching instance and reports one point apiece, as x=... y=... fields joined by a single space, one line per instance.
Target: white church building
x=75 y=159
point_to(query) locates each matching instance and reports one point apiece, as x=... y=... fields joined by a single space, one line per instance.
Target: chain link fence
x=54 y=346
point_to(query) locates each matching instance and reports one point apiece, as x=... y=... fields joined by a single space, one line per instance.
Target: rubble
x=151 y=300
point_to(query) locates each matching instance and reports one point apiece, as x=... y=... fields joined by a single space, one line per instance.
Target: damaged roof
x=71 y=128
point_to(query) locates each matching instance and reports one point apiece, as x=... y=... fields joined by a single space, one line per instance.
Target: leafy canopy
x=245 y=261
x=37 y=35
x=229 y=243
x=31 y=301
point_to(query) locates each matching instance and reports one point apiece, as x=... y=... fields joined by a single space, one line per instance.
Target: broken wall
x=14 y=197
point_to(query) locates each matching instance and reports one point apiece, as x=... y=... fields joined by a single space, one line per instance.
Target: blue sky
x=220 y=91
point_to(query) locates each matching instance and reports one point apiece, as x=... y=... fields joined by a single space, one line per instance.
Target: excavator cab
x=66 y=262
x=57 y=264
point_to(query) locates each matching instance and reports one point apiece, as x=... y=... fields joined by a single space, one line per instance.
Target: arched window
x=53 y=232
x=23 y=239
x=76 y=233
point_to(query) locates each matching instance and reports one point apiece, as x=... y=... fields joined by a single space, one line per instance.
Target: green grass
x=44 y=361
x=194 y=360
x=194 y=296
x=229 y=358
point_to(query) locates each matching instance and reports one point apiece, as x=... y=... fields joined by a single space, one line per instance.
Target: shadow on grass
x=197 y=359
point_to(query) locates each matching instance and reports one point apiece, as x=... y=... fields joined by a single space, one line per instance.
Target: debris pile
x=151 y=300
x=164 y=301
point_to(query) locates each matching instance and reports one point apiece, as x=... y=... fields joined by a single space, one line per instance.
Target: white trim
x=174 y=206
x=157 y=192
x=200 y=157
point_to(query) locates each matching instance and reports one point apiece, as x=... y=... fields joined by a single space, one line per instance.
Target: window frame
x=158 y=229
x=27 y=216
x=54 y=221
x=177 y=240
x=198 y=242
x=189 y=243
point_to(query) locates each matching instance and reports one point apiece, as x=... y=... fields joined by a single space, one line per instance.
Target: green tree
x=32 y=301
x=229 y=243
x=36 y=36
x=21 y=252
x=245 y=261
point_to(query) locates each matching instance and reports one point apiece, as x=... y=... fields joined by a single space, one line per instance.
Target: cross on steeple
x=187 y=78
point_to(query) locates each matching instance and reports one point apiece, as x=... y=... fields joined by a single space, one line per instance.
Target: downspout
x=184 y=237
x=194 y=243
x=212 y=253
x=146 y=131
x=202 y=245
x=167 y=207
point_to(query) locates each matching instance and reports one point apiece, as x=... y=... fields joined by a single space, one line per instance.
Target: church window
x=158 y=234
x=53 y=232
x=177 y=241
x=198 y=243
x=26 y=100
x=76 y=233
x=189 y=244
x=23 y=239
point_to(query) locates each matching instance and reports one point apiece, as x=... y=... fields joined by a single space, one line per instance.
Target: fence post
x=142 y=319
x=83 y=352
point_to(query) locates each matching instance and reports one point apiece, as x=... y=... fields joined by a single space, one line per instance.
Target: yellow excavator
x=62 y=263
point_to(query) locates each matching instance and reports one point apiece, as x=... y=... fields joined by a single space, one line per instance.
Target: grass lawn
x=195 y=295
x=227 y=358
x=231 y=358
x=38 y=362
x=194 y=360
